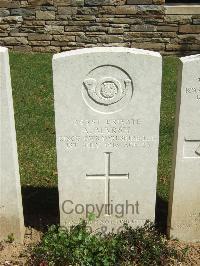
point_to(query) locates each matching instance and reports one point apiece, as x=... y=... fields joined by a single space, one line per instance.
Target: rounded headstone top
x=3 y=49
x=106 y=50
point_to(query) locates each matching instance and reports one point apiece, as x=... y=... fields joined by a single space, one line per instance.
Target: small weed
x=10 y=238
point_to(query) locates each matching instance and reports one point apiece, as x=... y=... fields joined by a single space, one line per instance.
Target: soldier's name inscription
x=108 y=133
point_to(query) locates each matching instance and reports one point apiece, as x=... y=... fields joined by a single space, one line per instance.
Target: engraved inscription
x=108 y=133
x=191 y=221
x=114 y=142
x=107 y=89
x=193 y=91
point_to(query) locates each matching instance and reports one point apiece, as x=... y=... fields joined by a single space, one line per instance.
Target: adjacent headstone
x=107 y=106
x=11 y=214
x=184 y=205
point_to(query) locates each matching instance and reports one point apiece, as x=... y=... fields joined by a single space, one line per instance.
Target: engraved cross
x=107 y=177
x=197 y=140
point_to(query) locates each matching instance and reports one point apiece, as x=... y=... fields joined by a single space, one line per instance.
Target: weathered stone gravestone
x=11 y=214
x=184 y=205
x=107 y=106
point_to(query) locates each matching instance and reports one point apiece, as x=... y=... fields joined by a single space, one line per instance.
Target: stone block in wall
x=56 y=23
x=131 y=35
x=182 y=47
x=189 y=28
x=24 y=12
x=85 y=17
x=93 y=34
x=167 y=28
x=118 y=10
x=124 y=44
x=150 y=9
x=73 y=3
x=178 y=19
x=86 y=39
x=116 y=20
x=188 y=38
x=4 y=28
x=23 y=3
x=196 y=16
x=74 y=28
x=182 y=9
x=13 y=41
x=11 y=19
x=62 y=2
x=144 y=27
x=110 y=39
x=54 y=29
x=48 y=8
x=168 y=34
x=74 y=45
x=39 y=43
x=77 y=2
x=23 y=48
x=97 y=28
x=32 y=29
x=88 y=11
x=139 y=2
x=4 y=12
x=65 y=38
x=66 y=10
x=50 y=49
x=59 y=43
x=149 y=45
x=9 y=4
x=104 y=2
x=39 y=37
x=72 y=33
x=156 y=40
x=63 y=17
x=154 y=20
x=3 y=34
x=40 y=2
x=116 y=30
x=38 y=23
x=158 y=2
x=45 y=15
x=27 y=23
x=196 y=21
x=18 y=34
x=80 y=23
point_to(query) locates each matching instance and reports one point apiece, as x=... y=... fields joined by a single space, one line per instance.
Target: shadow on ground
x=41 y=207
x=161 y=214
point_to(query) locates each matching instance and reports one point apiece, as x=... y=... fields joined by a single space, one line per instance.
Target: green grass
x=34 y=114
x=168 y=108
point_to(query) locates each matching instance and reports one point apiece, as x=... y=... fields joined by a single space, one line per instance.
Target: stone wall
x=60 y=25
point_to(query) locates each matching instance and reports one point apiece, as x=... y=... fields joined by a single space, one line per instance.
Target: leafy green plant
x=77 y=246
x=10 y=238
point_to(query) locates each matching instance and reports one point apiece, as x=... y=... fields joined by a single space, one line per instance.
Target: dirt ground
x=18 y=254
x=12 y=254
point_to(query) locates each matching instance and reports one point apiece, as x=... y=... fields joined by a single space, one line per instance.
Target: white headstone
x=184 y=205
x=11 y=214
x=107 y=105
